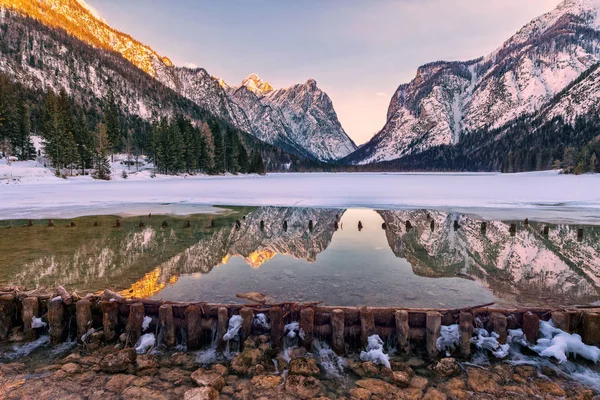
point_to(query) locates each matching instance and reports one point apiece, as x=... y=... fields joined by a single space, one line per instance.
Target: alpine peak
x=256 y=85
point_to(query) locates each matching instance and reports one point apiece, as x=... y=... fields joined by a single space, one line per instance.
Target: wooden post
x=465 y=324
x=402 y=330
x=167 y=326
x=499 y=323
x=134 y=322
x=192 y=316
x=83 y=315
x=433 y=329
x=222 y=323
x=367 y=324
x=531 y=327
x=277 y=326
x=56 y=320
x=7 y=312
x=337 y=331
x=247 y=320
x=31 y=307
x=110 y=320
x=562 y=320
x=591 y=329
x=307 y=325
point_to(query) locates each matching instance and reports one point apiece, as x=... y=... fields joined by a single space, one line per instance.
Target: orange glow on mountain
x=259 y=257
x=79 y=22
x=148 y=286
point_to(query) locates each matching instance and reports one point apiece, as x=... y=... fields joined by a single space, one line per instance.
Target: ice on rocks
x=293 y=329
x=559 y=344
x=260 y=321
x=449 y=339
x=489 y=341
x=146 y=323
x=37 y=323
x=375 y=352
x=146 y=342
x=235 y=324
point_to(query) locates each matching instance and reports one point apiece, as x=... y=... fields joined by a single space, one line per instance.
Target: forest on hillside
x=79 y=138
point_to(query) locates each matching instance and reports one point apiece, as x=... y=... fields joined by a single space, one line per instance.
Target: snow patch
x=375 y=352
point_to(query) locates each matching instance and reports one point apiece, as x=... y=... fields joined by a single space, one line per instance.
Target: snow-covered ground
x=540 y=195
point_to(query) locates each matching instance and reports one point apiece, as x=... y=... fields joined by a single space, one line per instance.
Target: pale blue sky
x=358 y=51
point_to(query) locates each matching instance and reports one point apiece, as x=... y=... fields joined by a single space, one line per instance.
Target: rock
x=203 y=393
x=201 y=377
x=242 y=362
x=123 y=337
x=219 y=369
x=72 y=358
x=228 y=390
x=303 y=387
x=119 y=361
x=434 y=394
x=418 y=382
x=377 y=387
x=456 y=388
x=483 y=381
x=304 y=366
x=263 y=382
x=70 y=368
x=360 y=394
x=175 y=376
x=413 y=363
x=296 y=352
x=400 y=378
x=147 y=361
x=184 y=360
x=255 y=297
x=59 y=375
x=446 y=367
x=118 y=383
x=142 y=393
x=550 y=388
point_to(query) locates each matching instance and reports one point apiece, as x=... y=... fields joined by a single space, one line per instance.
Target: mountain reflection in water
x=410 y=258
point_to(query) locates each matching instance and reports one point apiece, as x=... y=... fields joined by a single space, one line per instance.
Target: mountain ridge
x=447 y=101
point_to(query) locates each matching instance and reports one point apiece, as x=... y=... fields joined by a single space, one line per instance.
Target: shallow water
x=451 y=265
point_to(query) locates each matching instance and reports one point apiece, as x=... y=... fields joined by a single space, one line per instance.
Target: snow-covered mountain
x=448 y=100
x=301 y=116
x=299 y=119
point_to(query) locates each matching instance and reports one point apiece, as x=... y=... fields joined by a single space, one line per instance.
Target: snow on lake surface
x=534 y=195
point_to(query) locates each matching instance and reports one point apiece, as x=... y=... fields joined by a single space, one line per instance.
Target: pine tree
x=593 y=166
x=112 y=119
x=102 y=146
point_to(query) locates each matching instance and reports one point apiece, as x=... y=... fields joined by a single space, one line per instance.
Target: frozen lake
x=544 y=195
x=410 y=258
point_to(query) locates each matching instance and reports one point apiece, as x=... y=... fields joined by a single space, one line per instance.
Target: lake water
x=408 y=258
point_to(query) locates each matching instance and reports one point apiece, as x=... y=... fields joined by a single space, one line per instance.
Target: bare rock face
x=147 y=361
x=118 y=362
x=483 y=381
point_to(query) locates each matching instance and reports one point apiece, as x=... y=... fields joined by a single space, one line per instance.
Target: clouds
x=382 y=94
x=190 y=65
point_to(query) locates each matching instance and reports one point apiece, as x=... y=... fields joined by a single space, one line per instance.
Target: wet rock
x=360 y=394
x=367 y=369
x=400 y=379
x=418 y=382
x=258 y=369
x=119 y=361
x=409 y=394
x=483 y=381
x=456 y=388
x=175 y=376
x=296 y=352
x=142 y=393
x=434 y=394
x=202 y=377
x=378 y=387
x=266 y=381
x=303 y=387
x=513 y=389
x=304 y=366
x=70 y=368
x=242 y=362
x=118 y=383
x=446 y=367
x=183 y=360
x=525 y=371
x=59 y=375
x=147 y=361
x=550 y=388
x=72 y=358
x=413 y=363
x=220 y=369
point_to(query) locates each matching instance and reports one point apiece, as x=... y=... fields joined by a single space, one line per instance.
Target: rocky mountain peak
x=256 y=85
x=311 y=84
